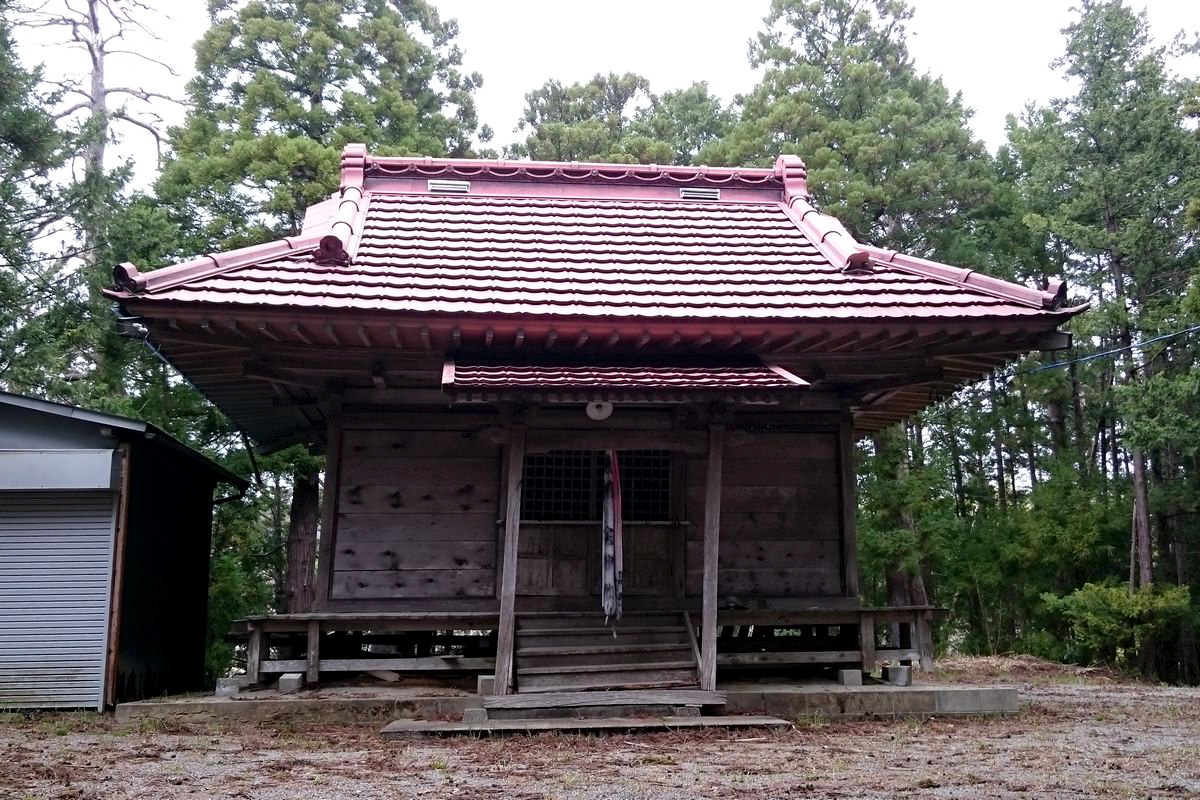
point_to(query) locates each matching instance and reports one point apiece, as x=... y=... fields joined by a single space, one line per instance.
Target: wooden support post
x=866 y=635
x=508 y=569
x=905 y=631
x=112 y=656
x=329 y=506
x=848 y=497
x=313 y=653
x=712 y=545
x=254 y=652
x=924 y=636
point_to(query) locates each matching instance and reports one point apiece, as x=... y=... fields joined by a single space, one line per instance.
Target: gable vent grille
x=699 y=193
x=448 y=187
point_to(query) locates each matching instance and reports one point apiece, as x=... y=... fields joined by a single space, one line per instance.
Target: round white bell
x=599 y=410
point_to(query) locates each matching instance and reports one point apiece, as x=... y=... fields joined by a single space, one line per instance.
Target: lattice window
x=560 y=485
x=645 y=484
x=567 y=485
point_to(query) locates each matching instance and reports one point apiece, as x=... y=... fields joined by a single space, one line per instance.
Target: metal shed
x=104 y=549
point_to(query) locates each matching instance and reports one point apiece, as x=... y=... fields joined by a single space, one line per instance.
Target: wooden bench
x=257 y=630
x=914 y=624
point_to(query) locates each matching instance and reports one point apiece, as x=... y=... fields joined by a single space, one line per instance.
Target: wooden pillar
x=112 y=657
x=848 y=498
x=508 y=568
x=254 y=652
x=866 y=641
x=924 y=637
x=313 y=654
x=329 y=506
x=712 y=545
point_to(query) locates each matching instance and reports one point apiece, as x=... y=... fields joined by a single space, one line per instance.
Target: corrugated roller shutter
x=55 y=566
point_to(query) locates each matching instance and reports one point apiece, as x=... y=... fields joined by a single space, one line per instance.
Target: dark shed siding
x=164 y=607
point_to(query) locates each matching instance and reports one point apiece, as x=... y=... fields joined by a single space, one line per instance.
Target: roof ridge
x=127 y=277
x=1053 y=297
x=428 y=166
x=849 y=255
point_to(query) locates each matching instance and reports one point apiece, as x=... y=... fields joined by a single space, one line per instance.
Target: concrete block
x=743 y=702
x=898 y=676
x=788 y=705
x=824 y=704
x=474 y=715
x=291 y=682
x=485 y=684
x=850 y=677
x=914 y=702
x=685 y=711
x=385 y=675
x=975 y=700
x=228 y=687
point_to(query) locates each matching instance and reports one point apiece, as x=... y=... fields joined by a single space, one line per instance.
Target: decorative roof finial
x=793 y=173
x=354 y=166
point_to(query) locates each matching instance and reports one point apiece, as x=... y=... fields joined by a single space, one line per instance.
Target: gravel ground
x=1083 y=734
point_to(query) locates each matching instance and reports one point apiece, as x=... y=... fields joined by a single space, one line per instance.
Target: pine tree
x=34 y=210
x=282 y=86
x=1109 y=173
x=616 y=118
x=887 y=148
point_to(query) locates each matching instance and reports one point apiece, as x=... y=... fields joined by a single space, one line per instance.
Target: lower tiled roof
x=626 y=376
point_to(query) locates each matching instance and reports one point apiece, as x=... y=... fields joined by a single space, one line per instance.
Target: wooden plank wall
x=780 y=518
x=417 y=514
x=564 y=559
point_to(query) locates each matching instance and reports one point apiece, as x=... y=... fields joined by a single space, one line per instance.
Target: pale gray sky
x=996 y=53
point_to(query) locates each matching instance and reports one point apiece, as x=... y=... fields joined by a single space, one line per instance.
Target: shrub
x=1108 y=625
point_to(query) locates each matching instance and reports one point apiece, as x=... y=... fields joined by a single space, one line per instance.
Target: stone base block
x=290 y=682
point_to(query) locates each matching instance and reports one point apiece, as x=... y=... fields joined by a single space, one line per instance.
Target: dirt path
x=1088 y=736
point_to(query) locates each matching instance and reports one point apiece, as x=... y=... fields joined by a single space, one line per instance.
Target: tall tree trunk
x=1081 y=438
x=1102 y=452
x=998 y=442
x=1030 y=443
x=302 y=541
x=1141 y=490
x=1141 y=520
x=1114 y=448
x=904 y=586
x=1058 y=427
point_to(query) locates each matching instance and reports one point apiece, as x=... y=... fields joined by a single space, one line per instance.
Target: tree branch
x=144 y=126
x=141 y=94
x=144 y=57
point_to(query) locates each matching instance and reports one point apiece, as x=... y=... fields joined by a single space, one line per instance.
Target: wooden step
x=406 y=727
x=654 y=665
x=669 y=697
x=609 y=654
x=576 y=619
x=598 y=637
x=570 y=631
x=616 y=647
x=628 y=679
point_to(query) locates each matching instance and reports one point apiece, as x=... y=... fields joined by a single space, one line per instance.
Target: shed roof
x=138 y=428
x=496 y=238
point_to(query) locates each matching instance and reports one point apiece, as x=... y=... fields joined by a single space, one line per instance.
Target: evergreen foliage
x=616 y=118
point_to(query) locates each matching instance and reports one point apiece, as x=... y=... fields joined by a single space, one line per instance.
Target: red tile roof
x=625 y=376
x=584 y=241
